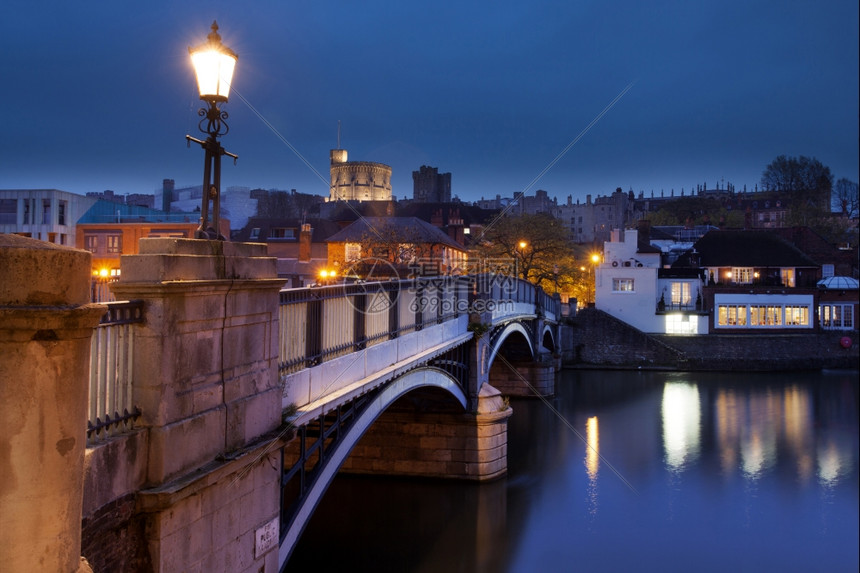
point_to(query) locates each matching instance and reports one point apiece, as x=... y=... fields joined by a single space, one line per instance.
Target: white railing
x=111 y=409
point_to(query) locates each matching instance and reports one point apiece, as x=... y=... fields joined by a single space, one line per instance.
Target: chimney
x=305 y=243
x=167 y=186
x=436 y=218
x=645 y=231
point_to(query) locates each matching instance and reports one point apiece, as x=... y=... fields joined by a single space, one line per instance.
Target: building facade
x=358 y=180
x=430 y=186
x=45 y=214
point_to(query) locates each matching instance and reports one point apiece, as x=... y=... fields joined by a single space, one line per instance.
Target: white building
x=631 y=286
x=44 y=214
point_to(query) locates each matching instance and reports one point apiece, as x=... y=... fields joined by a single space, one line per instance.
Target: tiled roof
x=748 y=249
x=410 y=229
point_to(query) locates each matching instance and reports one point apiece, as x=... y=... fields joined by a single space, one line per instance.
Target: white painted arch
x=418 y=378
x=509 y=329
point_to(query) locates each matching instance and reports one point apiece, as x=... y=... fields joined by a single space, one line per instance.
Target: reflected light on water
x=829 y=464
x=798 y=428
x=728 y=427
x=759 y=443
x=592 y=451
x=681 y=424
x=592 y=461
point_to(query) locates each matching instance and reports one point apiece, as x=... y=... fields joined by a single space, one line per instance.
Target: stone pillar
x=206 y=381
x=46 y=323
x=436 y=444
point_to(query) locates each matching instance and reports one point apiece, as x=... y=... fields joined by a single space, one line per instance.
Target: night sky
x=99 y=95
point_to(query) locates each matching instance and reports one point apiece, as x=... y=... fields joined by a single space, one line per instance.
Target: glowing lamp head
x=523 y=244
x=595 y=258
x=103 y=273
x=213 y=64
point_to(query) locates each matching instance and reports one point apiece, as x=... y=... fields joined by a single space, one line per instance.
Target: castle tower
x=358 y=180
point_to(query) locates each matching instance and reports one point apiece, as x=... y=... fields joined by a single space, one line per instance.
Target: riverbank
x=594 y=339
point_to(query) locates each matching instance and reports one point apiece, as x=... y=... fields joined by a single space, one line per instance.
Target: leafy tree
x=538 y=244
x=807 y=181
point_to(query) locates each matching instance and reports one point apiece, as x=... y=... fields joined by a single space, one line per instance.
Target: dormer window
x=282 y=233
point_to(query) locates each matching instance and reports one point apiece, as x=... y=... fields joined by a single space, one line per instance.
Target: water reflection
x=681 y=415
x=592 y=461
x=726 y=472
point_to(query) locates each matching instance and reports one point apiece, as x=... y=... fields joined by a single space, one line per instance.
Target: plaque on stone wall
x=266 y=537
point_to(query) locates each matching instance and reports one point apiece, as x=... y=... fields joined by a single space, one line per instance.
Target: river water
x=627 y=471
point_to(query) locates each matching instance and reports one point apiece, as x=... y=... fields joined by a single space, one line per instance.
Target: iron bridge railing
x=111 y=409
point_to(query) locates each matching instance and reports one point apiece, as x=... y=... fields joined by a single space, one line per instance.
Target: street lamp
x=213 y=64
x=522 y=252
x=595 y=260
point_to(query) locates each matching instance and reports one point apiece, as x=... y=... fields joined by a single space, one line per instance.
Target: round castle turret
x=358 y=180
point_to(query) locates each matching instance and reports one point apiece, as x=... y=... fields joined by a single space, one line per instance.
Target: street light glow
x=213 y=64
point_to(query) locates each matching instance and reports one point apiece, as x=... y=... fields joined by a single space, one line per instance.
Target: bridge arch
x=419 y=378
x=547 y=339
x=518 y=335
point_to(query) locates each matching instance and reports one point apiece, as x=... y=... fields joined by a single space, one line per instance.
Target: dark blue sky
x=99 y=95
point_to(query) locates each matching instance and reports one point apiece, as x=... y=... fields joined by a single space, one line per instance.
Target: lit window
x=681 y=294
x=352 y=251
x=796 y=315
x=732 y=315
x=114 y=243
x=91 y=243
x=742 y=275
x=622 y=285
x=836 y=316
x=787 y=277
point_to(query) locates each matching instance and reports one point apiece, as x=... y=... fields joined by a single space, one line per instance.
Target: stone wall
x=598 y=340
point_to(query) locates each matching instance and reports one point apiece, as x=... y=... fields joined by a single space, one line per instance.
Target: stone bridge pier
x=204 y=471
x=45 y=328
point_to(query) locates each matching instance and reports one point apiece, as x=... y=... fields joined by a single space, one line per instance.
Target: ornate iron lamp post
x=213 y=64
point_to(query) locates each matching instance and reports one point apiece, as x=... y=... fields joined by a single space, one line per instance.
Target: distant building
x=430 y=186
x=109 y=230
x=408 y=245
x=46 y=214
x=358 y=180
x=594 y=221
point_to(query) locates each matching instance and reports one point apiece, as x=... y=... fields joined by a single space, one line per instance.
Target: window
x=91 y=243
x=681 y=294
x=836 y=316
x=765 y=315
x=8 y=211
x=61 y=213
x=352 y=251
x=255 y=233
x=28 y=215
x=787 y=277
x=732 y=315
x=796 y=315
x=742 y=275
x=282 y=233
x=46 y=211
x=622 y=285
x=114 y=243
x=827 y=271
